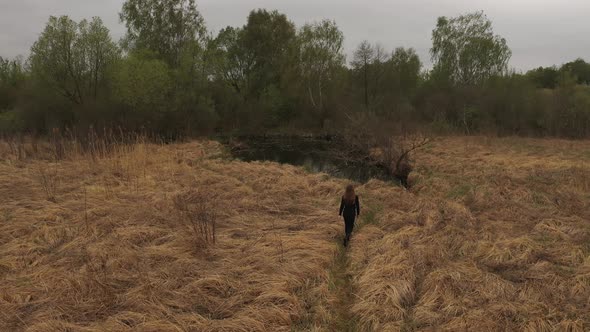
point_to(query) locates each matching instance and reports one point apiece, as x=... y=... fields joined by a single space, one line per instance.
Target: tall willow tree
x=465 y=50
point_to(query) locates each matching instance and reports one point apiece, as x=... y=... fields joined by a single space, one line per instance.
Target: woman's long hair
x=349 y=194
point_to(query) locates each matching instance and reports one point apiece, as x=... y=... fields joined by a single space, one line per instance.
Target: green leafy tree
x=260 y=62
x=55 y=59
x=143 y=86
x=194 y=109
x=232 y=66
x=73 y=58
x=545 y=78
x=571 y=116
x=97 y=54
x=398 y=86
x=166 y=27
x=173 y=32
x=269 y=41
x=580 y=69
x=321 y=59
x=232 y=62
x=12 y=77
x=406 y=65
x=465 y=50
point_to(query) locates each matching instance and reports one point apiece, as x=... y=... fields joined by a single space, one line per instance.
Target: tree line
x=171 y=76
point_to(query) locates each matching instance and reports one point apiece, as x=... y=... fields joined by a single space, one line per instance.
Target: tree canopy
x=174 y=78
x=466 y=51
x=321 y=58
x=73 y=58
x=166 y=27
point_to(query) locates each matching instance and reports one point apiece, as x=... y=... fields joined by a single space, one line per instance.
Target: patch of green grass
x=409 y=325
x=426 y=172
x=585 y=154
x=335 y=277
x=460 y=191
x=545 y=179
x=340 y=283
x=6 y=215
x=223 y=153
x=340 y=278
x=308 y=168
x=427 y=148
x=565 y=271
x=370 y=216
x=523 y=146
x=369 y=213
x=544 y=239
x=539 y=199
x=586 y=244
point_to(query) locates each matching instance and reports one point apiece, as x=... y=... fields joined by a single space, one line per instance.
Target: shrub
x=197 y=210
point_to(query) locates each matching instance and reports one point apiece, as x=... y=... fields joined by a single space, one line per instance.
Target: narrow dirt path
x=341 y=280
x=341 y=285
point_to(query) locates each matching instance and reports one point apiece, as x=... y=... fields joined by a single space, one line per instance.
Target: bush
x=10 y=122
x=197 y=210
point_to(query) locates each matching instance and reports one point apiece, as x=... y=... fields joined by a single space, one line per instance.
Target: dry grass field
x=98 y=245
x=493 y=236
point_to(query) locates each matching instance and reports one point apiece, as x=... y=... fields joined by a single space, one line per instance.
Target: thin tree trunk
x=366 y=86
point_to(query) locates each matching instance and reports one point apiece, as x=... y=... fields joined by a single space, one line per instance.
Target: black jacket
x=350 y=210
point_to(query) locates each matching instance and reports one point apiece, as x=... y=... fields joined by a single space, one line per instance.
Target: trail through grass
x=341 y=279
x=341 y=285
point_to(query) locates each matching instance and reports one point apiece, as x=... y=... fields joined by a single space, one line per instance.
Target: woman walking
x=350 y=208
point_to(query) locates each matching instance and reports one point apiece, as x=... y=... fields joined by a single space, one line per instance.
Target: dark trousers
x=348 y=224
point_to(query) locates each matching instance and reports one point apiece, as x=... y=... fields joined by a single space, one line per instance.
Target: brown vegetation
x=492 y=236
x=112 y=250
x=369 y=141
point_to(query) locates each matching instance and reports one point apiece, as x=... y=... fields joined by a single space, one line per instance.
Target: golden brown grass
x=106 y=249
x=493 y=236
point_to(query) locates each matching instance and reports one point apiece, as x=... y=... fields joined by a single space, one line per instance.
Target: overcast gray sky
x=539 y=32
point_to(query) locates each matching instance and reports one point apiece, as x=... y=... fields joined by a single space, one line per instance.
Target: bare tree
x=371 y=140
x=363 y=58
